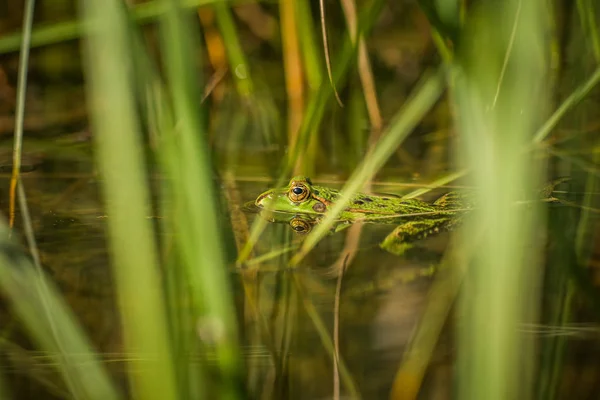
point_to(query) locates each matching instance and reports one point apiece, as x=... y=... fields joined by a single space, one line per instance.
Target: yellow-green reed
x=196 y=225
x=587 y=10
x=499 y=94
x=311 y=52
x=20 y=106
x=119 y=152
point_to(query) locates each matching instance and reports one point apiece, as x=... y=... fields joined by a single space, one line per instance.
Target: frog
x=303 y=204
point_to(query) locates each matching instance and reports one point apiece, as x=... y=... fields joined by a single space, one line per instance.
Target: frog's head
x=299 y=196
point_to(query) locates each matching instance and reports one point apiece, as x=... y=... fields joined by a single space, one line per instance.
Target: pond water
x=289 y=318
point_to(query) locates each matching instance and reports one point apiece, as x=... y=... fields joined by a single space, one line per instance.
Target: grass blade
x=498 y=92
x=126 y=195
x=195 y=211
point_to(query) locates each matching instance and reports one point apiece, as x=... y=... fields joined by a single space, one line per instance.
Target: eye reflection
x=300 y=226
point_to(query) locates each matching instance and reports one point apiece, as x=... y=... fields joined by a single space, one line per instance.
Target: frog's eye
x=300 y=226
x=298 y=192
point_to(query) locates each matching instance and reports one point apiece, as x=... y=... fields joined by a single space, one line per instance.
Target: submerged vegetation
x=136 y=133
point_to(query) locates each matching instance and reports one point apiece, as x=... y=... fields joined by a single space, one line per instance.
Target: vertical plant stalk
x=496 y=359
x=326 y=52
x=364 y=70
x=373 y=110
x=294 y=76
x=121 y=163
x=312 y=70
x=215 y=49
x=336 y=330
x=237 y=60
x=346 y=377
x=21 y=93
x=587 y=16
x=311 y=55
x=187 y=159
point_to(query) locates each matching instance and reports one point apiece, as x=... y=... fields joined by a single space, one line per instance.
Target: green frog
x=302 y=205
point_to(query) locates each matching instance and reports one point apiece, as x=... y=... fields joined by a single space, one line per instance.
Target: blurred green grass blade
x=37 y=303
x=57 y=33
x=195 y=208
x=499 y=93
x=160 y=118
x=311 y=52
x=51 y=324
x=444 y=180
x=20 y=106
x=118 y=146
x=441 y=298
x=239 y=65
x=567 y=105
x=587 y=17
x=570 y=102
x=424 y=97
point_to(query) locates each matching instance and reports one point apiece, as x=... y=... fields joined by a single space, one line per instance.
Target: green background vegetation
x=140 y=130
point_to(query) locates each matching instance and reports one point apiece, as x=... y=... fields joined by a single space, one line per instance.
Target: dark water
x=381 y=302
x=379 y=305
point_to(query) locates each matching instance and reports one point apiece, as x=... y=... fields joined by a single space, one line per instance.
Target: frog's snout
x=264 y=198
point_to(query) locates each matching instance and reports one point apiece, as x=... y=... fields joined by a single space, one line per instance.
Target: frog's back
x=458 y=201
x=386 y=205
